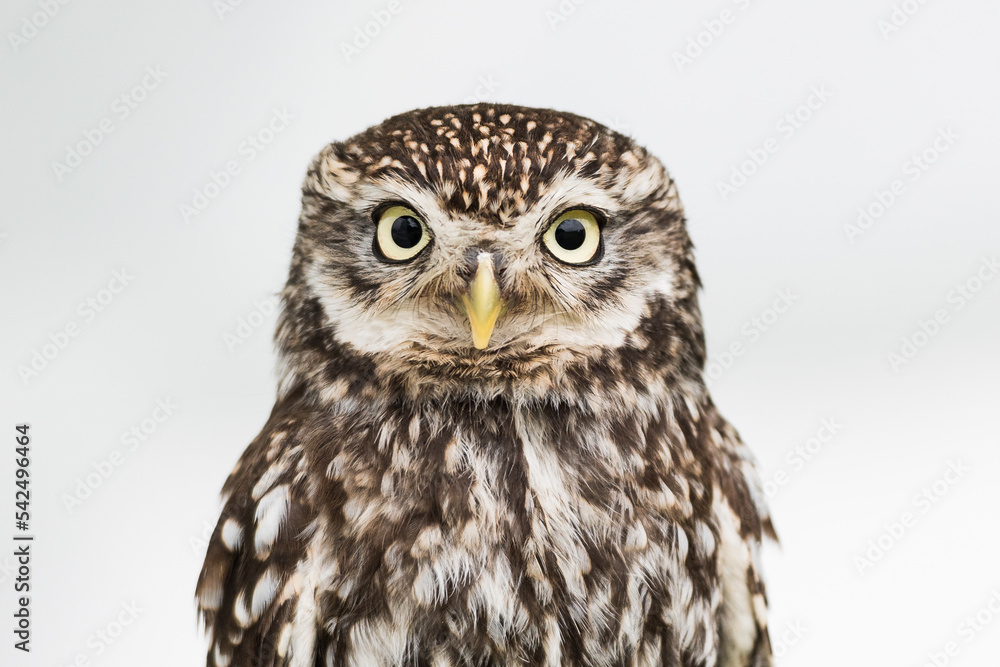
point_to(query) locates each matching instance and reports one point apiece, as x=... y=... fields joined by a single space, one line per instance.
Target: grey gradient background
x=138 y=537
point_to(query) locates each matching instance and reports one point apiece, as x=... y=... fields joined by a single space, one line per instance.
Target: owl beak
x=482 y=303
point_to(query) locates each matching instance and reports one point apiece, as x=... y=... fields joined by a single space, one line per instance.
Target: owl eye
x=574 y=237
x=401 y=234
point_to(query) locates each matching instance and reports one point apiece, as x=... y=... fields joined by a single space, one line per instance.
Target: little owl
x=492 y=442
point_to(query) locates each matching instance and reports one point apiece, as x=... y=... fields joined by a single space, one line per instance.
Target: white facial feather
x=555 y=324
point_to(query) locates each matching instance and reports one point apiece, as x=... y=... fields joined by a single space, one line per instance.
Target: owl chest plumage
x=478 y=533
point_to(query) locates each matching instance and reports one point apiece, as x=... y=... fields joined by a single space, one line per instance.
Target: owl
x=492 y=442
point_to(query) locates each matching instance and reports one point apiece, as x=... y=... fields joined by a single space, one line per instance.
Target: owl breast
x=527 y=538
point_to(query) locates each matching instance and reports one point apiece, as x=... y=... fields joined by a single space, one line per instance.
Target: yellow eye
x=574 y=237
x=401 y=234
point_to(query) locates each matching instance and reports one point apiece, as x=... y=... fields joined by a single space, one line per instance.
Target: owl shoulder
x=250 y=587
x=739 y=481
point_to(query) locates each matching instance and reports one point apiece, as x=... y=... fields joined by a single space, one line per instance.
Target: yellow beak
x=482 y=303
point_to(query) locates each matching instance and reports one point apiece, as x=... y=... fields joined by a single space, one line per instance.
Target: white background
x=138 y=536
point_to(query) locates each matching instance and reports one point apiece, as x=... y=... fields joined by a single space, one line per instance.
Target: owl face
x=473 y=239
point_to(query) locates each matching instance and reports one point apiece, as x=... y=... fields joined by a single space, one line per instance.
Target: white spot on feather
x=271 y=512
x=636 y=538
x=263 y=593
x=266 y=481
x=232 y=534
x=221 y=659
x=241 y=611
x=284 y=639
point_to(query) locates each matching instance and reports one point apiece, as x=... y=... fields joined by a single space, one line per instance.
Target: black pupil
x=406 y=231
x=570 y=234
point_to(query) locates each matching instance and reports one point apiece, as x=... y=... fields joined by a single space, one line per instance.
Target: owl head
x=489 y=249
